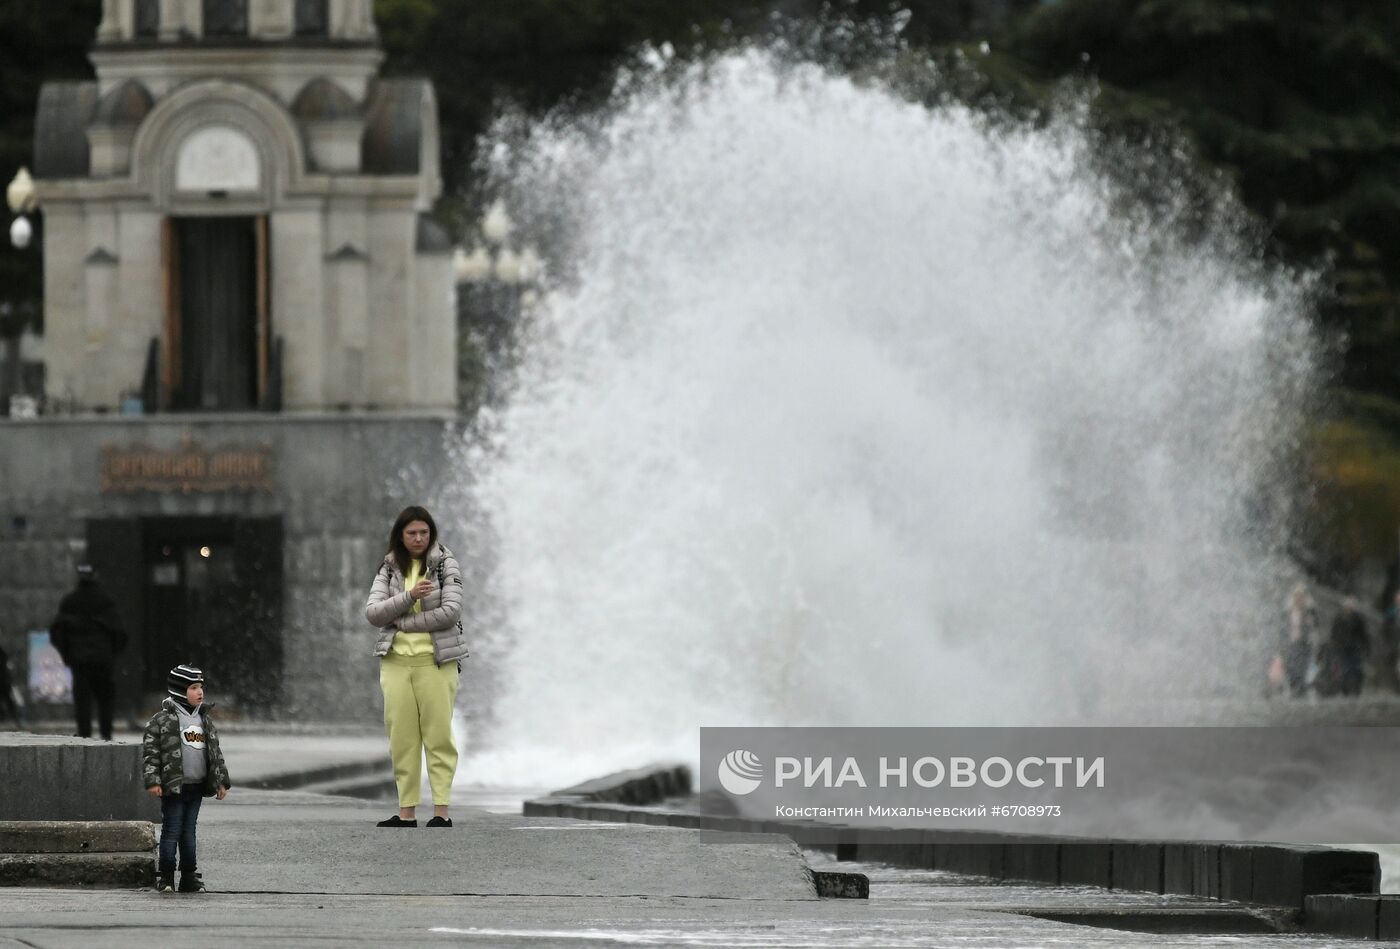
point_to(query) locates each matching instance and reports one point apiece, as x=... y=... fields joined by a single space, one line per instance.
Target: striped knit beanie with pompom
x=181 y=678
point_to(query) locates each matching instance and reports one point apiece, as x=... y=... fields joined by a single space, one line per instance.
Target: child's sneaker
x=165 y=881
x=191 y=883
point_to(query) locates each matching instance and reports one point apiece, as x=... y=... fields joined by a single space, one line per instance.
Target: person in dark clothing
x=7 y=692
x=88 y=634
x=1343 y=657
x=1389 y=653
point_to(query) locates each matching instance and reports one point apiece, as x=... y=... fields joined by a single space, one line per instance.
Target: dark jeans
x=93 y=681
x=179 y=812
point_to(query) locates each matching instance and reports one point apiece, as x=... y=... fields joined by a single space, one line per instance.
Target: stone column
x=117 y=21
x=172 y=19
x=298 y=304
x=271 y=19
x=351 y=20
x=391 y=239
x=65 y=301
x=193 y=21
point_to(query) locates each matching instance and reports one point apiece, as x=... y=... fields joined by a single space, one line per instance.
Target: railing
x=150 y=379
x=153 y=400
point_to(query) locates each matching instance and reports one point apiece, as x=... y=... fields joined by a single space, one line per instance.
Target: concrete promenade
x=294 y=867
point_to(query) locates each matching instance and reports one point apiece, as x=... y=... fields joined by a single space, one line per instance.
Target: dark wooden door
x=218 y=281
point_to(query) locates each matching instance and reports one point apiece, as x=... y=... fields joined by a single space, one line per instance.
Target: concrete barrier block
x=1036 y=862
x=1342 y=915
x=1286 y=875
x=1388 y=922
x=1138 y=865
x=851 y=886
x=807 y=834
x=52 y=777
x=646 y=785
x=1086 y=864
x=1191 y=868
x=1237 y=872
x=76 y=836
x=897 y=847
x=541 y=807
x=983 y=859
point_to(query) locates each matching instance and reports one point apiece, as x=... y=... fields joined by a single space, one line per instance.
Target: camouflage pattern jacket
x=164 y=762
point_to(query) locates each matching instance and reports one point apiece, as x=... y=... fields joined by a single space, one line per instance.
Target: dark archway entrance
x=206 y=590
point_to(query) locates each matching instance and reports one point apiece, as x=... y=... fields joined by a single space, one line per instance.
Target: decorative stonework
x=218 y=158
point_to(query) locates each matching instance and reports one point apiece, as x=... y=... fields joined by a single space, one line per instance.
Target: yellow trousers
x=418 y=700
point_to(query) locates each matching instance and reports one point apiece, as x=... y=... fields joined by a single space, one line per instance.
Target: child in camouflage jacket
x=183 y=764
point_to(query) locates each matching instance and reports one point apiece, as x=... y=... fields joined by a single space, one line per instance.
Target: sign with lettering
x=187 y=469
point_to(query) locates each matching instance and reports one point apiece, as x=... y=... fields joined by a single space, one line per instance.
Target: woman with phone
x=416 y=602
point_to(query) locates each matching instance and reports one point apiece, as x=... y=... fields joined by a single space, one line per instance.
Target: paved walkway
x=292 y=868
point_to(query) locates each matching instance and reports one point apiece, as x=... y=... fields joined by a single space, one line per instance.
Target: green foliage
x=1355 y=468
x=1298 y=102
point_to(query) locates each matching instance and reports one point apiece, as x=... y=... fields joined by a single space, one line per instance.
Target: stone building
x=250 y=344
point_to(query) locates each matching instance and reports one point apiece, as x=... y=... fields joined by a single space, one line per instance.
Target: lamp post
x=496 y=266
x=495 y=281
x=19 y=195
x=15 y=320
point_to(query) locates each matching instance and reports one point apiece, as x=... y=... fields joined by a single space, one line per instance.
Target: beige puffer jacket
x=389 y=605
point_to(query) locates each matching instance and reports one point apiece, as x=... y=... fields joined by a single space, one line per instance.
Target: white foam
x=851 y=411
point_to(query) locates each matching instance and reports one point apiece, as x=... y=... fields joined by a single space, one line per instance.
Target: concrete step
x=1366 y=916
x=50 y=836
x=77 y=869
x=98 y=780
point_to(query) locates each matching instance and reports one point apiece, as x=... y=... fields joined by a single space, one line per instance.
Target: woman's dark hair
x=396 y=546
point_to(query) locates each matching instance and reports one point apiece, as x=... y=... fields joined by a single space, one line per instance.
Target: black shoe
x=440 y=822
x=165 y=881
x=191 y=883
x=397 y=821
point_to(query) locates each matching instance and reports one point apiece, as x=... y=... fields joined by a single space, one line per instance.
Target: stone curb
x=639 y=786
x=77 y=869
x=336 y=773
x=54 y=837
x=1276 y=875
x=622 y=797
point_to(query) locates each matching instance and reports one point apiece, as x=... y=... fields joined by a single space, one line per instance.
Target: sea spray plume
x=851 y=410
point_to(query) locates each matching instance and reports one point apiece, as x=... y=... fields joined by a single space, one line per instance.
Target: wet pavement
x=297 y=868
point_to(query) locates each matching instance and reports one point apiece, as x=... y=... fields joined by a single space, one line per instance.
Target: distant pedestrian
x=1388 y=653
x=88 y=634
x=183 y=764
x=9 y=699
x=1342 y=658
x=1297 y=638
x=416 y=601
